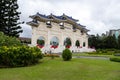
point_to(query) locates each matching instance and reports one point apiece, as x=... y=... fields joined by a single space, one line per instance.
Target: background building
x=113 y=32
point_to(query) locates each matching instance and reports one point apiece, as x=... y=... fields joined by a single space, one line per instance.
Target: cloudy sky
x=98 y=16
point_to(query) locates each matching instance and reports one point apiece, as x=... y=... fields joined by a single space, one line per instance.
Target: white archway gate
x=49 y=26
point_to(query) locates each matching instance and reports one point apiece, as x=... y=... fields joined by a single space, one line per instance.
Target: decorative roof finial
x=51 y=14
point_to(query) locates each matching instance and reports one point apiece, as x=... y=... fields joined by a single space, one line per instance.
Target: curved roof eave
x=70 y=18
x=58 y=18
x=32 y=23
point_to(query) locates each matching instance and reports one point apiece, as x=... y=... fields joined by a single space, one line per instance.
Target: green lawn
x=95 y=55
x=57 y=69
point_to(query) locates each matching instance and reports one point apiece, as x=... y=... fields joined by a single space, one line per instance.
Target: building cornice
x=58 y=19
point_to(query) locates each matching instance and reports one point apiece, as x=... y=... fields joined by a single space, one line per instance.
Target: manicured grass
x=86 y=54
x=57 y=69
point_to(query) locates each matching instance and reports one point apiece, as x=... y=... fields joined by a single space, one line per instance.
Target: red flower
x=40 y=46
x=54 y=46
x=68 y=46
x=80 y=47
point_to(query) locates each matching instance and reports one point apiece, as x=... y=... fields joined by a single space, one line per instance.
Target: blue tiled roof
x=44 y=16
x=63 y=17
x=85 y=29
x=81 y=25
x=70 y=18
x=32 y=23
x=58 y=17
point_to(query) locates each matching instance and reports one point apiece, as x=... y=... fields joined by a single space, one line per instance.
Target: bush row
x=51 y=55
x=19 y=56
x=106 y=52
x=115 y=59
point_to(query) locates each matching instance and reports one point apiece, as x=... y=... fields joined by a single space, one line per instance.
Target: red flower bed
x=68 y=46
x=40 y=46
x=54 y=46
x=80 y=47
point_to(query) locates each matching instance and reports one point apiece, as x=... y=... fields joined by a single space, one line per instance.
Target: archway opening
x=67 y=42
x=41 y=42
x=54 y=42
x=77 y=43
x=84 y=44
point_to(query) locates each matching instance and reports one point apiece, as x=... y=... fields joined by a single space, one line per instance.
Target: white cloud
x=98 y=15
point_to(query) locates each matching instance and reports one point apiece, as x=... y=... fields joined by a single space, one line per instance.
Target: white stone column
x=62 y=39
x=86 y=41
x=33 y=39
x=81 y=42
x=48 y=40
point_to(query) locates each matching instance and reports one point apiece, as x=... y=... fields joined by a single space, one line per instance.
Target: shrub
x=67 y=55
x=49 y=55
x=116 y=59
x=19 y=56
x=117 y=54
x=9 y=41
x=104 y=51
x=98 y=51
x=117 y=51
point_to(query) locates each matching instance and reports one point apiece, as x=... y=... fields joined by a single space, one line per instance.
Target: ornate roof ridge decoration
x=81 y=25
x=85 y=30
x=58 y=19
x=43 y=16
x=32 y=23
x=70 y=18
x=40 y=17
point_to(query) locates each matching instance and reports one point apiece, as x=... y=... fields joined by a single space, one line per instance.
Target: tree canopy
x=106 y=42
x=9 y=18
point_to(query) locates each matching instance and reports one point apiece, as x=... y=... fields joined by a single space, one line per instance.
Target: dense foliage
x=9 y=17
x=77 y=43
x=9 y=41
x=67 y=42
x=51 y=55
x=106 y=52
x=41 y=42
x=115 y=59
x=67 y=55
x=104 y=42
x=119 y=41
x=19 y=56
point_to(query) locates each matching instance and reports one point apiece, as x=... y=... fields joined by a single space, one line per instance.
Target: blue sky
x=98 y=16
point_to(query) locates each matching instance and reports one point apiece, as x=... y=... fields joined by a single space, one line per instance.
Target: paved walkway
x=92 y=57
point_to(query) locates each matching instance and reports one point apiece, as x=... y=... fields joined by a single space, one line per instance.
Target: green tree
x=67 y=42
x=103 y=42
x=77 y=43
x=119 y=41
x=92 y=41
x=9 y=17
x=110 y=42
x=41 y=42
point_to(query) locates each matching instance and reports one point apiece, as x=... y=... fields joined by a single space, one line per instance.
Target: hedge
x=9 y=41
x=115 y=59
x=19 y=56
